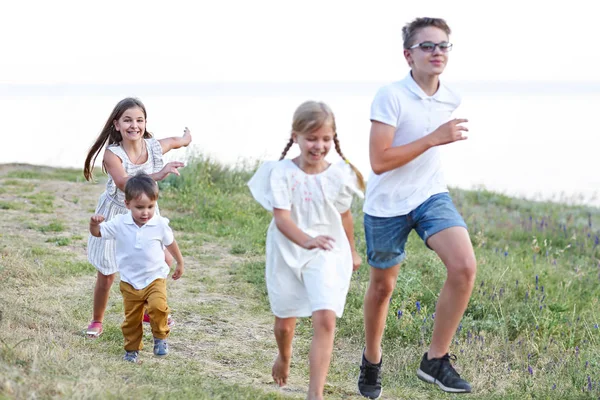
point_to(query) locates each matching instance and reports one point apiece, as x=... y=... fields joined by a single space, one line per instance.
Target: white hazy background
x=234 y=72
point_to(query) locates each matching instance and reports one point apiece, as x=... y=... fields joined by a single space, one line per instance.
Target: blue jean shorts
x=386 y=236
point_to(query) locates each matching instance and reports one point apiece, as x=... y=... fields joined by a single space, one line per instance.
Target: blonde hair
x=311 y=116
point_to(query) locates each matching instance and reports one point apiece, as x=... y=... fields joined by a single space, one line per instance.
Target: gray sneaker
x=443 y=374
x=161 y=348
x=131 y=356
x=369 y=379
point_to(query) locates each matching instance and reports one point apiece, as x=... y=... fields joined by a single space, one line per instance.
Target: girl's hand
x=356 y=260
x=323 y=242
x=96 y=219
x=178 y=271
x=187 y=137
x=450 y=132
x=171 y=168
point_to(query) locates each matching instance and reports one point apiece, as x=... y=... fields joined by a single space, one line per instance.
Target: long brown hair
x=311 y=116
x=110 y=134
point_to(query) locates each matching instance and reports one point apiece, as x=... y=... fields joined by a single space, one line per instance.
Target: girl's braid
x=287 y=147
x=359 y=177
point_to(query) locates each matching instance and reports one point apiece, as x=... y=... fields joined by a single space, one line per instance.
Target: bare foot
x=281 y=370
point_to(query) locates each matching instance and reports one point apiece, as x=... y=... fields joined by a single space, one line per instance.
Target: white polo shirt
x=414 y=114
x=139 y=249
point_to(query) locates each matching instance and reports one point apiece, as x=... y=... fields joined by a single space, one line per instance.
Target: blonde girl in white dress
x=130 y=149
x=310 y=253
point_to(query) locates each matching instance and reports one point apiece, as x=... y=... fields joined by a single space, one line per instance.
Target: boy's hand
x=178 y=271
x=96 y=219
x=449 y=132
x=187 y=136
x=356 y=260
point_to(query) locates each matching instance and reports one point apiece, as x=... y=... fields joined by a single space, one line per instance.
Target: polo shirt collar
x=128 y=219
x=442 y=94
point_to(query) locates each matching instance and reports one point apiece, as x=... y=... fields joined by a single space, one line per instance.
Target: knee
x=325 y=324
x=381 y=290
x=104 y=282
x=157 y=305
x=284 y=328
x=463 y=271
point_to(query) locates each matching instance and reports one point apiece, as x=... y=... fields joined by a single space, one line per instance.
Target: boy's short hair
x=141 y=184
x=410 y=30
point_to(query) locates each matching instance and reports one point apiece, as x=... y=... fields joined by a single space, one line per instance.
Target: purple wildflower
x=418 y=304
x=530 y=370
x=399 y=314
x=537 y=280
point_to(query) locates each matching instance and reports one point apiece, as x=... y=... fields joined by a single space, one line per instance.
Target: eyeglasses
x=429 y=47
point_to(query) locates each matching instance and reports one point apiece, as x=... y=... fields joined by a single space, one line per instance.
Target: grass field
x=530 y=331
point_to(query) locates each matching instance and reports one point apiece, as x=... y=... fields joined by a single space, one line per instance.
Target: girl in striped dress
x=130 y=149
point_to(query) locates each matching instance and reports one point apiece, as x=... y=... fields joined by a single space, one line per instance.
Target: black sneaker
x=442 y=373
x=369 y=380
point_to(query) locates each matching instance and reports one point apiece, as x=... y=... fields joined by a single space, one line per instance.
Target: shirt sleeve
x=167 y=237
x=108 y=229
x=386 y=107
x=269 y=186
x=349 y=188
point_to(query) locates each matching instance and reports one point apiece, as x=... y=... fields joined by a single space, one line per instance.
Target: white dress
x=301 y=281
x=101 y=253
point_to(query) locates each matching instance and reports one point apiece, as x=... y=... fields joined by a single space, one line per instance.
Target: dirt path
x=220 y=327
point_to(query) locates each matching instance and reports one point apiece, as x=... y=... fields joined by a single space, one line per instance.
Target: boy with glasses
x=410 y=120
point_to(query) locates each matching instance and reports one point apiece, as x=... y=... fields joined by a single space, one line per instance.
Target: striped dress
x=101 y=253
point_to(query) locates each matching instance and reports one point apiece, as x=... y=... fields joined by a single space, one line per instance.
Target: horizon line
x=284 y=87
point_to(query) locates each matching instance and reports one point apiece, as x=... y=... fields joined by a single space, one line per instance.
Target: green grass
x=42 y=173
x=547 y=321
x=534 y=306
x=10 y=205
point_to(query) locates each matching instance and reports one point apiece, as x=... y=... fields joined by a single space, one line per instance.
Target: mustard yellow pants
x=154 y=297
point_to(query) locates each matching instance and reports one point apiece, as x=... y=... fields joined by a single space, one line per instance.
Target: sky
x=121 y=41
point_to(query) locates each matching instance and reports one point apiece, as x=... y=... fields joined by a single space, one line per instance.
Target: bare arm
x=348 y=224
x=172 y=143
x=174 y=250
x=95 y=225
x=287 y=226
x=114 y=167
x=385 y=158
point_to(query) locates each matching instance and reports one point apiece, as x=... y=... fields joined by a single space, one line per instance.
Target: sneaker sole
x=425 y=377
x=372 y=398
x=93 y=334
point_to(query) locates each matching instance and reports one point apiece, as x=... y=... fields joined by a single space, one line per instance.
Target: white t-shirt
x=139 y=249
x=414 y=114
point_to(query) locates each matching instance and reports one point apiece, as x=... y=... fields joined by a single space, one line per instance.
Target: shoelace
x=445 y=359
x=369 y=373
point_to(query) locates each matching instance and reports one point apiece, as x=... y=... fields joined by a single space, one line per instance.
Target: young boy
x=140 y=236
x=409 y=120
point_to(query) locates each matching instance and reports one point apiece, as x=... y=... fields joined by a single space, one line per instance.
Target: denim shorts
x=386 y=236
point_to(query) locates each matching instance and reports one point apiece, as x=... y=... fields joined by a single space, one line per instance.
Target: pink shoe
x=94 y=329
x=170 y=321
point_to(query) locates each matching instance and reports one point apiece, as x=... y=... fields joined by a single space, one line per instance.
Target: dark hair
x=410 y=30
x=310 y=116
x=141 y=184
x=110 y=134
